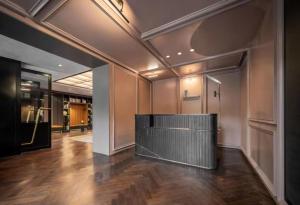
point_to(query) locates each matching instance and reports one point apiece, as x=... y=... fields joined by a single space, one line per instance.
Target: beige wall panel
x=144 y=96
x=165 y=96
x=261 y=147
x=230 y=118
x=244 y=105
x=194 y=87
x=262 y=68
x=262 y=83
x=125 y=107
x=261 y=99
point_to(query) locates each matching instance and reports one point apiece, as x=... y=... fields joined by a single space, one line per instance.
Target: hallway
x=69 y=173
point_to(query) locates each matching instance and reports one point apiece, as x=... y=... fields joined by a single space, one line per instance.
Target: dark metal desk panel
x=185 y=139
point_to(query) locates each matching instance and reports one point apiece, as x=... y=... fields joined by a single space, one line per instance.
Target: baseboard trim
x=264 y=179
x=122 y=149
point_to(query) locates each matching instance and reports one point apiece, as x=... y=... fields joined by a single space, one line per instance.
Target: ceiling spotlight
x=152 y=76
x=59 y=65
x=192 y=50
x=168 y=56
x=179 y=53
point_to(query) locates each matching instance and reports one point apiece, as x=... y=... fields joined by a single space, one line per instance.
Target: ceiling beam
x=210 y=57
x=106 y=7
x=220 y=69
x=39 y=5
x=210 y=71
x=214 y=9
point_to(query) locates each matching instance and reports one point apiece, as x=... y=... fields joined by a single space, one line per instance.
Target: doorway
x=35 y=102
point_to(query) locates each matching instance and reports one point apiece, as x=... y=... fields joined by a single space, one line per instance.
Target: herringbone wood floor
x=70 y=174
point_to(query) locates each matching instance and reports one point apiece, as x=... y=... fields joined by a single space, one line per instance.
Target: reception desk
x=184 y=139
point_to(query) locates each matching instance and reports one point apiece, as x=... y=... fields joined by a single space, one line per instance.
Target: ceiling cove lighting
x=152 y=76
x=83 y=80
x=152 y=67
x=179 y=53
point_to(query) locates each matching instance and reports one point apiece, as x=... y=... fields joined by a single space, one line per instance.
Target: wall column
x=101 y=110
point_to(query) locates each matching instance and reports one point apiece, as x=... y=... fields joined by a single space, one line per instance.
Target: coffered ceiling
x=174 y=37
x=148 y=15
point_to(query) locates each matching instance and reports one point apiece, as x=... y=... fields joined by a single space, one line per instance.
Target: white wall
x=101 y=112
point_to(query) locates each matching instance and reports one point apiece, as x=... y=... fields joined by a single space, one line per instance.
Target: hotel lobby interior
x=136 y=102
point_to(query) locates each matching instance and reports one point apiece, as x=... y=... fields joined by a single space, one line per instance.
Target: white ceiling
x=37 y=59
x=101 y=29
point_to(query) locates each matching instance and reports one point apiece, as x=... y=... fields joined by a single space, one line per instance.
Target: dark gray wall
x=292 y=101
x=9 y=107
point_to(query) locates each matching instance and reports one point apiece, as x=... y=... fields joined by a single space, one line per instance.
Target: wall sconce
x=119 y=4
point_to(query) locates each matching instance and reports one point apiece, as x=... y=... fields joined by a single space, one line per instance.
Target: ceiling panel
x=85 y=21
x=149 y=14
x=226 y=32
x=224 y=62
x=177 y=41
x=77 y=80
x=231 y=30
x=25 y=5
x=158 y=74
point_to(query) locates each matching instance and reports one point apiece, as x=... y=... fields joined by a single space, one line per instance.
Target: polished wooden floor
x=70 y=174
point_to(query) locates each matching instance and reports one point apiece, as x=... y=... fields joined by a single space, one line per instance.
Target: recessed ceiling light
x=168 y=56
x=179 y=53
x=152 y=76
x=192 y=50
x=59 y=65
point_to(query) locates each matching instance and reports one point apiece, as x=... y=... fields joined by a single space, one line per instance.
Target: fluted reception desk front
x=185 y=139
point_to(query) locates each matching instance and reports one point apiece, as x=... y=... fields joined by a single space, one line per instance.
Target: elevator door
x=35 y=110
